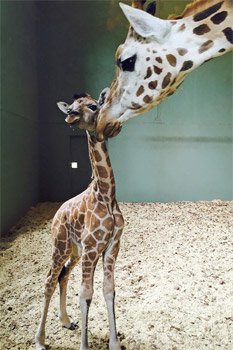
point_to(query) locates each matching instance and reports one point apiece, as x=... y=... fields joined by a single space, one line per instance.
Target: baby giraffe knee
x=109 y=293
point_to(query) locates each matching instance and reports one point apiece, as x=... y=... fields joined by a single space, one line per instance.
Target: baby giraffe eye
x=92 y=107
x=128 y=64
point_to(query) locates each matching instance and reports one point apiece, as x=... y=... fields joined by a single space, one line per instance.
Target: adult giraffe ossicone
x=158 y=54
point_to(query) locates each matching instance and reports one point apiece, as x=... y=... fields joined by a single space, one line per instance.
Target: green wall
x=19 y=123
x=181 y=150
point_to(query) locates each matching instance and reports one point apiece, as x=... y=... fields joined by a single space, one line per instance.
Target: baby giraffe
x=86 y=226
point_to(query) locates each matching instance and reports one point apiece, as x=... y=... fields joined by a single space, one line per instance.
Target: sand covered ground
x=174 y=281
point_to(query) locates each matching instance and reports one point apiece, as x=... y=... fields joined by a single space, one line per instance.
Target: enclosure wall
x=181 y=150
x=76 y=54
x=19 y=124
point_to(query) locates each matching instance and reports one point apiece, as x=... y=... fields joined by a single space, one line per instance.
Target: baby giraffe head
x=83 y=111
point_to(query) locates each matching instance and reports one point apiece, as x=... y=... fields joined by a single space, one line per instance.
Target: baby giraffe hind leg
x=63 y=281
x=61 y=253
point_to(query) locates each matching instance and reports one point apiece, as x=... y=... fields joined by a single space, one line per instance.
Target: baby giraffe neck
x=101 y=168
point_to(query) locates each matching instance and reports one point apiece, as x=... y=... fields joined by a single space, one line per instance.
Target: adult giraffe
x=158 y=54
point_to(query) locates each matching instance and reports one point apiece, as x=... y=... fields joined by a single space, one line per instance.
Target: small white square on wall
x=74 y=165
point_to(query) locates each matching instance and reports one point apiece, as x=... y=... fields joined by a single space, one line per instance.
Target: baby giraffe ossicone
x=86 y=226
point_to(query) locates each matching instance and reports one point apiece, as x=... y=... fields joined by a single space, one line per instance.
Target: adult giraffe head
x=158 y=54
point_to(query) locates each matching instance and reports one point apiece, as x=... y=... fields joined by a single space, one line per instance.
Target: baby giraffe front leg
x=109 y=259
x=89 y=261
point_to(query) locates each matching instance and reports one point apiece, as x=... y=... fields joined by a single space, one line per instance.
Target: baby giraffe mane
x=196 y=7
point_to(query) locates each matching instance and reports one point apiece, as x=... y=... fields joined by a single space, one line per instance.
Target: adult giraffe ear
x=146 y=25
x=63 y=106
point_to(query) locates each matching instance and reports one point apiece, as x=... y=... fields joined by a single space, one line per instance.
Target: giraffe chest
x=93 y=226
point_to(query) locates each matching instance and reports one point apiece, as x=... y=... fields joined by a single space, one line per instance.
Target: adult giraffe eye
x=129 y=64
x=92 y=107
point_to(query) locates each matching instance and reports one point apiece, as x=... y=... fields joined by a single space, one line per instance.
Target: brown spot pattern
x=104 y=187
x=219 y=17
x=94 y=222
x=171 y=59
x=109 y=260
x=182 y=51
x=228 y=32
x=135 y=105
x=98 y=157
x=159 y=59
x=186 y=65
x=166 y=80
x=108 y=223
x=157 y=70
x=99 y=234
x=147 y=99
x=61 y=245
x=101 y=210
x=103 y=146
x=182 y=27
x=119 y=220
x=90 y=241
x=153 y=84
x=202 y=29
x=92 y=256
x=170 y=93
x=206 y=46
x=140 y=90
x=102 y=171
x=148 y=73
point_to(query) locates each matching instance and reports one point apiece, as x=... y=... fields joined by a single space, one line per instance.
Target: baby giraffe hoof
x=40 y=346
x=73 y=326
x=114 y=345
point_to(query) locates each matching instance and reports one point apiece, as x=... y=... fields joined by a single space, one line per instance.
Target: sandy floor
x=174 y=281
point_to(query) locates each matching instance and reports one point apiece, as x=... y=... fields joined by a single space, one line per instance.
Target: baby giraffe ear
x=146 y=25
x=63 y=106
x=103 y=96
